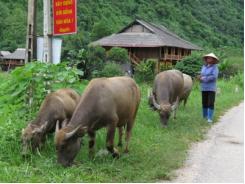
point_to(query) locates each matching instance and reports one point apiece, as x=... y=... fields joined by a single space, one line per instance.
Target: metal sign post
x=47 y=32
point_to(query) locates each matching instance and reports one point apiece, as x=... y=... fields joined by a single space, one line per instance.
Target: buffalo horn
x=70 y=134
x=57 y=126
x=156 y=105
x=174 y=106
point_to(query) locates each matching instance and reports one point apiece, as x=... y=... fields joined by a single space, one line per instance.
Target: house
x=10 y=61
x=145 y=40
x=3 y=53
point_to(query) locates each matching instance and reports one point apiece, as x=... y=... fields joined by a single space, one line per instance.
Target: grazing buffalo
x=167 y=89
x=106 y=102
x=187 y=88
x=57 y=106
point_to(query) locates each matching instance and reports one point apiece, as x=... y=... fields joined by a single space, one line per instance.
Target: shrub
x=226 y=69
x=118 y=55
x=28 y=85
x=190 y=65
x=144 y=72
x=110 y=70
x=238 y=79
x=93 y=62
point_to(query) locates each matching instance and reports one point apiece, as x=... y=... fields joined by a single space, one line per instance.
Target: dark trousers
x=208 y=99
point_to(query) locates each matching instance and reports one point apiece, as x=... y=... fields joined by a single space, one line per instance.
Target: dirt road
x=220 y=158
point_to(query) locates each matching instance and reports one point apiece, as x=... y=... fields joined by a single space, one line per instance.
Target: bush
x=118 y=55
x=190 y=65
x=144 y=72
x=227 y=69
x=93 y=62
x=28 y=85
x=110 y=70
x=238 y=79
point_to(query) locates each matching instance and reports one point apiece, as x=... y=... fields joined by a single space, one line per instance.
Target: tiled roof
x=4 y=53
x=158 y=36
x=17 y=54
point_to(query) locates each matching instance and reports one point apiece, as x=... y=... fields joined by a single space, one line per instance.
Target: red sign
x=64 y=17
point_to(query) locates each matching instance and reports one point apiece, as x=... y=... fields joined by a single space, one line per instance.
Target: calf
x=57 y=106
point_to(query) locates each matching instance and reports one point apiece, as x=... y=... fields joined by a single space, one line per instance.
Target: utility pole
x=31 y=38
x=47 y=32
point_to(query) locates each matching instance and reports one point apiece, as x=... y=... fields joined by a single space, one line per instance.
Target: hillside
x=209 y=23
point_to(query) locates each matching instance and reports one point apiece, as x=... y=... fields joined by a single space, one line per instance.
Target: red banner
x=64 y=17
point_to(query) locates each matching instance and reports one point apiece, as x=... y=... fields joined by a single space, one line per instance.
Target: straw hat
x=212 y=55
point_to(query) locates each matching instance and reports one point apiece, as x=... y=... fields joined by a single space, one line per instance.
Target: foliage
x=29 y=84
x=118 y=55
x=93 y=61
x=238 y=79
x=167 y=66
x=190 y=65
x=227 y=69
x=110 y=70
x=101 y=29
x=144 y=71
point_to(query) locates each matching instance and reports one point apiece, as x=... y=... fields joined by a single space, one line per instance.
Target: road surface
x=220 y=158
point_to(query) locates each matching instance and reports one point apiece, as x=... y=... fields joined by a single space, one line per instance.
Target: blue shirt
x=209 y=75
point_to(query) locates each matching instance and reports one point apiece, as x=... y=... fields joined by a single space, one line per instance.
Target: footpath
x=220 y=157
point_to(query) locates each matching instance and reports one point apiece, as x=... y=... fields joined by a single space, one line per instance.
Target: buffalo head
x=163 y=109
x=32 y=138
x=67 y=143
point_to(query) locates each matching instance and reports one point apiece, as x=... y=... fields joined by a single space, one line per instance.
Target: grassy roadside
x=154 y=152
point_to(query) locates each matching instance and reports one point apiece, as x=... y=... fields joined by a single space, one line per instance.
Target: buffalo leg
x=128 y=135
x=110 y=140
x=91 y=143
x=120 y=132
x=176 y=106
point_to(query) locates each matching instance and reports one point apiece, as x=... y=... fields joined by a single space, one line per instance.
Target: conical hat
x=212 y=55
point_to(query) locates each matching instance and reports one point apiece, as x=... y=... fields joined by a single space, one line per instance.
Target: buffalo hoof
x=164 y=126
x=115 y=155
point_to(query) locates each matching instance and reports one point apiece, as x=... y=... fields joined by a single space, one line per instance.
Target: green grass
x=154 y=152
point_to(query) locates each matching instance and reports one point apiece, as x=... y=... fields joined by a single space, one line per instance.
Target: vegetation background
x=209 y=23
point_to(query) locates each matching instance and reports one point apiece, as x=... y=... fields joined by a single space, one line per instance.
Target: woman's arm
x=211 y=77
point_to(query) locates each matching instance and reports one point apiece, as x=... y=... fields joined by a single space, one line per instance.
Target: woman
x=208 y=77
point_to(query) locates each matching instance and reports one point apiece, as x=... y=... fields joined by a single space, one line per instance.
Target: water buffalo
x=57 y=106
x=187 y=88
x=106 y=102
x=167 y=89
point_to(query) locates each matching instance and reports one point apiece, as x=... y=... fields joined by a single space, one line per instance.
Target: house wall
x=137 y=28
x=146 y=53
